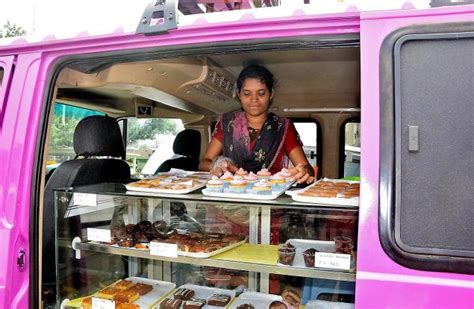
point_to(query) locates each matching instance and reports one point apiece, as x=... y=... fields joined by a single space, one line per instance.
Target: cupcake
x=308 y=256
x=278 y=182
x=226 y=178
x=237 y=186
x=241 y=172
x=251 y=179
x=262 y=187
x=285 y=173
x=215 y=185
x=286 y=254
x=264 y=174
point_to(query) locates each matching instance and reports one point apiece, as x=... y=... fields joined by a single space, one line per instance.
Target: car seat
x=99 y=157
x=187 y=145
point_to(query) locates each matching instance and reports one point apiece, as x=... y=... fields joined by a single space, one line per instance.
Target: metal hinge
x=21 y=259
x=159 y=16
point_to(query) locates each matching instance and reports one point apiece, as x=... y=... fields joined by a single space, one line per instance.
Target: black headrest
x=98 y=136
x=188 y=143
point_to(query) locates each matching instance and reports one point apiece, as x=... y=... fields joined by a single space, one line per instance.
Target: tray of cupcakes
x=329 y=191
x=189 y=296
x=179 y=182
x=244 y=185
x=193 y=244
x=132 y=292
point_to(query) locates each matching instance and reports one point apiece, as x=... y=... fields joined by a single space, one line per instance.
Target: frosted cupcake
x=251 y=179
x=278 y=182
x=226 y=178
x=262 y=187
x=286 y=174
x=263 y=174
x=241 y=172
x=215 y=185
x=237 y=186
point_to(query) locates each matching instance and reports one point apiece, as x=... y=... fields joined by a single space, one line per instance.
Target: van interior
x=317 y=86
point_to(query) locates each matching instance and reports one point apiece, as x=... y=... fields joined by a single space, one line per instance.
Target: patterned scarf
x=236 y=140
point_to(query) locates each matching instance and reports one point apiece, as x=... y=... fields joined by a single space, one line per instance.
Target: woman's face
x=255 y=97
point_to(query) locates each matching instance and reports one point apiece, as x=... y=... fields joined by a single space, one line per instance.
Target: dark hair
x=255 y=71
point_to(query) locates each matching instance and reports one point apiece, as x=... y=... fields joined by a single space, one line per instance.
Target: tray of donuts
x=132 y=293
x=171 y=183
x=255 y=300
x=329 y=191
x=189 y=296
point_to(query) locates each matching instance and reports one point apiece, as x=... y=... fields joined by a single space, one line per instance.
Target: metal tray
x=325 y=200
x=249 y=196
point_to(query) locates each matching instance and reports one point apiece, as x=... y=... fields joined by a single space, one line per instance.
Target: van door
x=415 y=233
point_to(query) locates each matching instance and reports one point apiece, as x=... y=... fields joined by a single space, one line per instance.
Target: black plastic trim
x=432 y=259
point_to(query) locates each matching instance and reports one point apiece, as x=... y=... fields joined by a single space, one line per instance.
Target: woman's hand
x=221 y=165
x=302 y=173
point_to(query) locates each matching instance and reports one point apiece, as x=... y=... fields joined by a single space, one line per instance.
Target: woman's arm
x=219 y=166
x=302 y=169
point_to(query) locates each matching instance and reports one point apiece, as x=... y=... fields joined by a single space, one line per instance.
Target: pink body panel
x=23 y=111
x=381 y=282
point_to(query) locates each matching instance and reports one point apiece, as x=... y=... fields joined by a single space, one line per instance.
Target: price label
x=332 y=260
x=85 y=199
x=164 y=249
x=98 y=303
x=98 y=235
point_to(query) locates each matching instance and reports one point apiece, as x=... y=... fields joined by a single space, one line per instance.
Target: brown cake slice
x=141 y=288
x=194 y=303
x=123 y=284
x=219 y=300
x=183 y=294
x=108 y=293
x=171 y=303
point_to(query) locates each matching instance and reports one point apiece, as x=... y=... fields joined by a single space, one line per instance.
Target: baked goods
x=286 y=254
x=218 y=300
x=127 y=306
x=292 y=297
x=183 y=294
x=108 y=293
x=332 y=189
x=86 y=302
x=308 y=256
x=171 y=303
x=141 y=288
x=246 y=306
x=277 y=305
x=215 y=184
x=128 y=296
x=194 y=303
x=123 y=284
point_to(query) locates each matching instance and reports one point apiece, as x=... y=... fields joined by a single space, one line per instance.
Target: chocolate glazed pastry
x=194 y=303
x=277 y=305
x=171 y=303
x=246 y=306
x=219 y=300
x=143 y=225
x=183 y=294
x=291 y=297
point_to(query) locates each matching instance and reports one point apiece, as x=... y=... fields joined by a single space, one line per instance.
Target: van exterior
x=391 y=270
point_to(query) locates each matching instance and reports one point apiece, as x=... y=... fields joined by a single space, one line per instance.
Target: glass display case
x=180 y=250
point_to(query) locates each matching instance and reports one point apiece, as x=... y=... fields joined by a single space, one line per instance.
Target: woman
x=253 y=138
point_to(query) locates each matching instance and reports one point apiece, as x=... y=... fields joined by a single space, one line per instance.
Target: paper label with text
x=98 y=235
x=332 y=260
x=85 y=199
x=98 y=303
x=164 y=249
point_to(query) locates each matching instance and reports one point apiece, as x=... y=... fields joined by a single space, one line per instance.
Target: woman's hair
x=256 y=71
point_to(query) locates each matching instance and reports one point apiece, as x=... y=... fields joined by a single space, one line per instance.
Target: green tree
x=147 y=129
x=62 y=132
x=10 y=29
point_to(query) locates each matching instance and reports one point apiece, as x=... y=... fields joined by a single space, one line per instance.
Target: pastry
x=128 y=296
x=171 y=303
x=277 y=305
x=127 y=306
x=183 y=294
x=241 y=172
x=246 y=306
x=141 y=288
x=308 y=256
x=218 y=300
x=291 y=297
x=143 y=225
x=108 y=293
x=86 y=302
x=286 y=254
x=194 y=303
x=123 y=284
x=128 y=242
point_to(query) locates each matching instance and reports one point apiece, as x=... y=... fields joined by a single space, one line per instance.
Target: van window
x=150 y=143
x=308 y=132
x=65 y=120
x=351 y=144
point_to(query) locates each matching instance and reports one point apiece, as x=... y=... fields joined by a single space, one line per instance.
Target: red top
x=292 y=140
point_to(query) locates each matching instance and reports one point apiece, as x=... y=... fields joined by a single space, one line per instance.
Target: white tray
x=160 y=288
x=167 y=191
x=325 y=200
x=205 y=292
x=203 y=255
x=249 y=196
x=258 y=300
x=303 y=244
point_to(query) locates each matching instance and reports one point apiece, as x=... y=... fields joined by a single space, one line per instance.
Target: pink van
x=382 y=98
